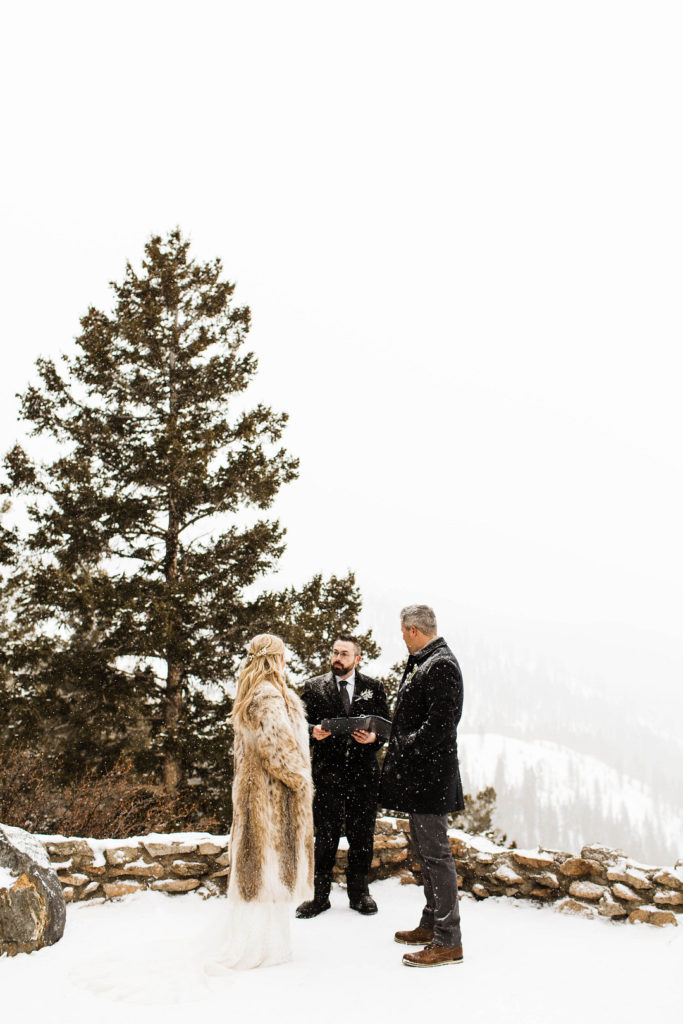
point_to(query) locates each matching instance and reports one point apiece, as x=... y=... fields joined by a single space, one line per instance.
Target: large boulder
x=32 y=908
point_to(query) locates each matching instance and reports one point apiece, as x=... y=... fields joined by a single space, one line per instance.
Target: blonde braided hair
x=264 y=663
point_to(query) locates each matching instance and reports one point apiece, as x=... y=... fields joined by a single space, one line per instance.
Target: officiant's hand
x=361 y=736
x=320 y=734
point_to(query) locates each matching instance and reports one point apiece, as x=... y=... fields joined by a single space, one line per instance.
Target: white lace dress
x=252 y=935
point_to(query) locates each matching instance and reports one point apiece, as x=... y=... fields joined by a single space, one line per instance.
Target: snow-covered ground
x=521 y=963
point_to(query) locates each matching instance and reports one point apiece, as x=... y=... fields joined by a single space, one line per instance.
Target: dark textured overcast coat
x=421 y=773
x=340 y=757
x=272 y=792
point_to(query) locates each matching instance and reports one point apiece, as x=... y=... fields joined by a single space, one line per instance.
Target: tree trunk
x=172 y=763
x=173 y=770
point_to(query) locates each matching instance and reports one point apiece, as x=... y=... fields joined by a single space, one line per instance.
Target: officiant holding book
x=345 y=774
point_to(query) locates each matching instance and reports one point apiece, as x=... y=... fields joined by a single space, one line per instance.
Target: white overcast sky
x=459 y=228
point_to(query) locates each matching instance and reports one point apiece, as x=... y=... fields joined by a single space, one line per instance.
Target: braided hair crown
x=264 y=663
x=263 y=645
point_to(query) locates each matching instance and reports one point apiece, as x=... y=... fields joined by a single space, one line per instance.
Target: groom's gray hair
x=421 y=616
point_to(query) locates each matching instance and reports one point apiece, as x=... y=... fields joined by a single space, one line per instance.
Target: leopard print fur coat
x=272 y=793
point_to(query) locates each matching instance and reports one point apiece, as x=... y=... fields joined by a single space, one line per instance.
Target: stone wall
x=600 y=881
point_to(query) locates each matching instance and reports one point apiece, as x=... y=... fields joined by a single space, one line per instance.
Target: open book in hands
x=369 y=723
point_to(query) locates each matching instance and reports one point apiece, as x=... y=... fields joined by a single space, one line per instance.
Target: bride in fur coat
x=272 y=828
x=271 y=854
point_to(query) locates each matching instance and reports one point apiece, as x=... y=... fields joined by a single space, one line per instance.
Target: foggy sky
x=458 y=228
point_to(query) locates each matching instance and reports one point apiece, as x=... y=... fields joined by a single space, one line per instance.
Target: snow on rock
x=27 y=844
x=479 y=843
x=629 y=876
x=586 y=890
x=668 y=898
x=571 y=906
x=623 y=892
x=119 y=855
x=609 y=907
x=672 y=879
x=601 y=854
x=533 y=858
x=7 y=879
x=66 y=845
x=508 y=875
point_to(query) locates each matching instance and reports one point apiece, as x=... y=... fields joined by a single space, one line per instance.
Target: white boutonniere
x=365 y=695
x=414 y=670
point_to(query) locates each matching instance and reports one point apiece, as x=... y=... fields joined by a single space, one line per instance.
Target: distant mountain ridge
x=640 y=738
x=552 y=795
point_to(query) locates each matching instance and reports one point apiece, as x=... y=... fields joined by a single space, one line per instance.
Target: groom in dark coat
x=345 y=776
x=421 y=775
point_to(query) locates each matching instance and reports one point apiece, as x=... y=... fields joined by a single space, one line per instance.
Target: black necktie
x=344 y=694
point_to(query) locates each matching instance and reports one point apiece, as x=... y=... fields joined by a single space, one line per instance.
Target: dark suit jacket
x=340 y=760
x=421 y=772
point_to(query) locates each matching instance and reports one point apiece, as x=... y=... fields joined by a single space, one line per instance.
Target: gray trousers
x=441 y=911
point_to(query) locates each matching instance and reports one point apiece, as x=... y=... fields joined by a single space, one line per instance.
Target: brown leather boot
x=434 y=956
x=415 y=937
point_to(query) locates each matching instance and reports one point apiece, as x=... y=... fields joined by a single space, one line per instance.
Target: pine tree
x=312 y=618
x=128 y=603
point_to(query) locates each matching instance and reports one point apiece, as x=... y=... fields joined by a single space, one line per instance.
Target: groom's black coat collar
x=426 y=652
